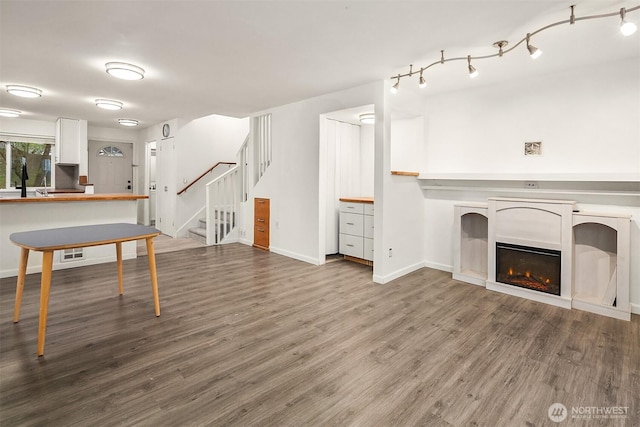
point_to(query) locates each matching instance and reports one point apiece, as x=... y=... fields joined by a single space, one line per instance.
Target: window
x=110 y=152
x=38 y=160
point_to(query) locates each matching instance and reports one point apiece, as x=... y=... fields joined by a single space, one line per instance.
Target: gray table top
x=81 y=236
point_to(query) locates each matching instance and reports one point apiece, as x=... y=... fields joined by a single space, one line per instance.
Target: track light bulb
x=473 y=73
x=422 y=83
x=626 y=28
x=534 y=52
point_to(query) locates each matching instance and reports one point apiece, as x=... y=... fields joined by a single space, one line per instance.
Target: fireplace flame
x=510 y=271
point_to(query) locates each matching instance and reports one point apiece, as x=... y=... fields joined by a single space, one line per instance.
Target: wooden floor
x=252 y=338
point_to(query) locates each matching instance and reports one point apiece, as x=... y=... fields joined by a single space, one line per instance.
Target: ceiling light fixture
x=534 y=52
x=473 y=73
x=500 y=44
x=6 y=112
x=627 y=28
x=367 y=118
x=108 y=104
x=394 y=88
x=24 y=91
x=128 y=122
x=124 y=71
x=422 y=83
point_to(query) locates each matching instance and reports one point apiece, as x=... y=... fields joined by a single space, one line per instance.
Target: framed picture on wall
x=533 y=148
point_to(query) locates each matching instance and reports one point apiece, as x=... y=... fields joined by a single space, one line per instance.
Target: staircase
x=225 y=227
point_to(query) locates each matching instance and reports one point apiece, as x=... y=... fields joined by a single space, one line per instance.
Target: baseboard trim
x=438 y=266
x=635 y=308
x=32 y=269
x=294 y=255
x=398 y=273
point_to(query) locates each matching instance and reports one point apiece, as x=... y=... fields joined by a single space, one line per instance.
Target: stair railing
x=222 y=201
x=203 y=174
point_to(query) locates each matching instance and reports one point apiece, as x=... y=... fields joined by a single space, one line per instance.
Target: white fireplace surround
x=543 y=224
x=594 y=250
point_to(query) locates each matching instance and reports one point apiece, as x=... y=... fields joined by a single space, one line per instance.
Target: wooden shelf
x=401 y=173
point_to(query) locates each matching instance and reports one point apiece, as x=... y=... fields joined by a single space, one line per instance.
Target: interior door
x=111 y=166
x=166 y=186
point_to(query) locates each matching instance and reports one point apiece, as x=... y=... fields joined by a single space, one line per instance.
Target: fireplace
x=528 y=267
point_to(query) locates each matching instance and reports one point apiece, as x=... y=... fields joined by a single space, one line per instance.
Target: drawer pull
x=261 y=202
x=349 y=245
x=350 y=207
x=261 y=230
x=260 y=220
x=350 y=223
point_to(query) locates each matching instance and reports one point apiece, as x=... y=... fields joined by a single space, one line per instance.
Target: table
x=50 y=240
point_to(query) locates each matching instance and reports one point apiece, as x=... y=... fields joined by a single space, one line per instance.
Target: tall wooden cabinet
x=261 y=211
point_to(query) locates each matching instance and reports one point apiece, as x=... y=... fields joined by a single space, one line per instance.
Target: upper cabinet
x=71 y=140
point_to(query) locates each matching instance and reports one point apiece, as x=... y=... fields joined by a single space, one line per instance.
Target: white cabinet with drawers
x=356 y=229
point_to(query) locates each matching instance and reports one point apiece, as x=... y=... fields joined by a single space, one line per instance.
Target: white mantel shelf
x=625 y=185
x=559 y=177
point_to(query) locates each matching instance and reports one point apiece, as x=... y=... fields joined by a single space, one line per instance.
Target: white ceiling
x=239 y=57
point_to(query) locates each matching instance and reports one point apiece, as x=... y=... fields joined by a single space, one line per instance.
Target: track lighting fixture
x=500 y=44
x=422 y=83
x=534 y=52
x=473 y=73
x=394 y=88
x=626 y=27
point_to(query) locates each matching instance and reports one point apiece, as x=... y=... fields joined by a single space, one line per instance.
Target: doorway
x=111 y=166
x=346 y=168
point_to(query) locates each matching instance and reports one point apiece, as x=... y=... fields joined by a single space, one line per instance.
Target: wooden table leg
x=45 y=287
x=22 y=272
x=154 y=278
x=119 y=257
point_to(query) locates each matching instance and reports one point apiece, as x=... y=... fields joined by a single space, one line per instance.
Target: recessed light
x=24 y=91
x=124 y=71
x=5 y=112
x=367 y=118
x=109 y=104
x=128 y=122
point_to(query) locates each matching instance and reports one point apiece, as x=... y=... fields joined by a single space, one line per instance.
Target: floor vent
x=75 y=254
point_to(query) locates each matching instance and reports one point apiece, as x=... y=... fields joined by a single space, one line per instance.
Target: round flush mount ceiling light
x=108 y=104
x=367 y=118
x=24 y=91
x=5 y=112
x=124 y=71
x=128 y=122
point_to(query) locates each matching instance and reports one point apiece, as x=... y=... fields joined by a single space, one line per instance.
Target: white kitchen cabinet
x=356 y=229
x=71 y=140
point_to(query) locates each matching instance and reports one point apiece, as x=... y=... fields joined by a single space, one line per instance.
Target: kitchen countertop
x=72 y=197
x=357 y=199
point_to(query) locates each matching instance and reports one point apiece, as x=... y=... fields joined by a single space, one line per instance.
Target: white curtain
x=343 y=174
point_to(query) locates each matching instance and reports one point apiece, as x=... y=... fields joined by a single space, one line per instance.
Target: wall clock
x=166 y=130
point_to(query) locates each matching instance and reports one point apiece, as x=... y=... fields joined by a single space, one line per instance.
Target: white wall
x=293 y=182
x=192 y=148
x=367 y=159
x=587 y=120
